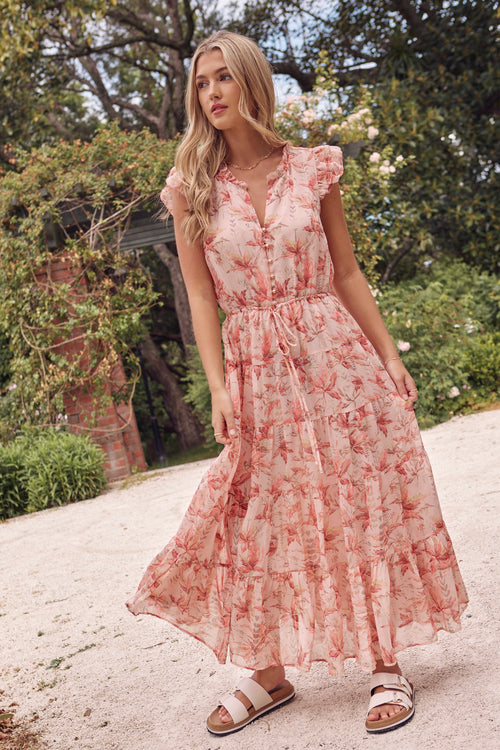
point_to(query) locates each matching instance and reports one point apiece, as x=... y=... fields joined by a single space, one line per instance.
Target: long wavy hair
x=203 y=148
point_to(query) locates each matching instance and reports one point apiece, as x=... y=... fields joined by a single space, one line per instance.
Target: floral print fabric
x=317 y=535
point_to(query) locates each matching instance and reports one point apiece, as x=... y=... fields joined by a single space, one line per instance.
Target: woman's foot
x=269 y=679
x=392 y=701
x=386 y=710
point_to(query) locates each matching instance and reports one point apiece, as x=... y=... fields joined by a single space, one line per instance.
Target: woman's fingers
x=411 y=388
x=223 y=422
x=405 y=385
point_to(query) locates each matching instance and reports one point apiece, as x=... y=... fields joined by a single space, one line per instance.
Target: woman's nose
x=213 y=89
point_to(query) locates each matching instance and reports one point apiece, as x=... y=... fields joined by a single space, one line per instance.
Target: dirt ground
x=78 y=671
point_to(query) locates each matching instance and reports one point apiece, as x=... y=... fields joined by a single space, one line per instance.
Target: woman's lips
x=218 y=108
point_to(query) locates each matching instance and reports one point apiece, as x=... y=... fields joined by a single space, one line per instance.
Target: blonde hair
x=203 y=148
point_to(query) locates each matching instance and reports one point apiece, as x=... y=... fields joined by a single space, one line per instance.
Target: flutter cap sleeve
x=174 y=182
x=329 y=167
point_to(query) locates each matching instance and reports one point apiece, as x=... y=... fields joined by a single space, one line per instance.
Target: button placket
x=267 y=247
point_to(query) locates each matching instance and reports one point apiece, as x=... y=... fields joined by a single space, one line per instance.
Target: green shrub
x=47 y=468
x=13 y=492
x=62 y=468
x=443 y=324
x=482 y=361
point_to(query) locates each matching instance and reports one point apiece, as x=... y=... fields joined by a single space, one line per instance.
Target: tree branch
x=409 y=12
x=101 y=91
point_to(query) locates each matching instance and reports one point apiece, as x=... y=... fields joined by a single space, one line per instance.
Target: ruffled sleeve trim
x=329 y=168
x=173 y=182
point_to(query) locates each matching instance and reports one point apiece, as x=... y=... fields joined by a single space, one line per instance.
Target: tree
x=125 y=61
x=431 y=67
x=432 y=70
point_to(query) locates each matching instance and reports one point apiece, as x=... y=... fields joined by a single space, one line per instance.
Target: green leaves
x=444 y=323
x=86 y=293
x=45 y=469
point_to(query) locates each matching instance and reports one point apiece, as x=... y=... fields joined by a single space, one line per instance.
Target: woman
x=317 y=533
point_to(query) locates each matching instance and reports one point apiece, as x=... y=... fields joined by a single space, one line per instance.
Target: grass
x=198 y=453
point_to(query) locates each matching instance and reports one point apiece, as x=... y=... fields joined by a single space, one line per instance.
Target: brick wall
x=115 y=428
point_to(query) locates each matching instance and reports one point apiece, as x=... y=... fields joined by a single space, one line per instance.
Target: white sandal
x=261 y=700
x=398 y=692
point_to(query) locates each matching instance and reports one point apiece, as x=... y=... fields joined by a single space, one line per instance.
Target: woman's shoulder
x=174 y=183
x=315 y=154
x=322 y=164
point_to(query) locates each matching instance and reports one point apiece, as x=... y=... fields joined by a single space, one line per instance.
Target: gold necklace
x=247 y=169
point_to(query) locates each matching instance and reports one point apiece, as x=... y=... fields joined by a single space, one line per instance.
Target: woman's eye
x=225 y=77
x=201 y=84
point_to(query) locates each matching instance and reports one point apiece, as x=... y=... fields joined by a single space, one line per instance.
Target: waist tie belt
x=287 y=338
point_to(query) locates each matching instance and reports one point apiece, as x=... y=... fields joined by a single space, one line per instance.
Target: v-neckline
x=271 y=178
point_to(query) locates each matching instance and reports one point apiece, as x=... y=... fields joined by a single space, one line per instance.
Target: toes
x=224 y=715
x=384 y=712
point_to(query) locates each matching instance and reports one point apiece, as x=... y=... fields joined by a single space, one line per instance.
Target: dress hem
x=452 y=627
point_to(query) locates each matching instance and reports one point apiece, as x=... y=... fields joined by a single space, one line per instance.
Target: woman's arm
x=354 y=293
x=204 y=313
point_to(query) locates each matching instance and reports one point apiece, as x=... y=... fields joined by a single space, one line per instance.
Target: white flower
x=372 y=132
x=454 y=392
x=399 y=158
x=469 y=326
x=408 y=324
x=308 y=116
x=375 y=157
x=392 y=169
x=12 y=387
x=384 y=169
x=404 y=346
x=331 y=130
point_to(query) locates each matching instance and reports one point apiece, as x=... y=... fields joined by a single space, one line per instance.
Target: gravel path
x=100 y=679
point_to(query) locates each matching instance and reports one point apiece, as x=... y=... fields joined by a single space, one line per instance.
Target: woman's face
x=218 y=93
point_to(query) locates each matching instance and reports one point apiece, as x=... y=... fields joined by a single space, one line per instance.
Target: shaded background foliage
x=428 y=68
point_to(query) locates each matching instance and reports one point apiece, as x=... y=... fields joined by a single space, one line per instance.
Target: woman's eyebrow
x=219 y=70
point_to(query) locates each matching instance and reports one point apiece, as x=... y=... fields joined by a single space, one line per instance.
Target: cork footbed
x=280 y=695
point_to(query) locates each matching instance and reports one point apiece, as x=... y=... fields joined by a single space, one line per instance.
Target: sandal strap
x=254 y=692
x=394 y=697
x=391 y=681
x=234 y=707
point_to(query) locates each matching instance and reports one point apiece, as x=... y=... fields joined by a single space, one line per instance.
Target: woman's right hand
x=223 y=416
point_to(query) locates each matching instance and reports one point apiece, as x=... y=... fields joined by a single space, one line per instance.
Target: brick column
x=115 y=427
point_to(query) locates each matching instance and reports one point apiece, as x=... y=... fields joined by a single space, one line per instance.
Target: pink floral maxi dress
x=317 y=535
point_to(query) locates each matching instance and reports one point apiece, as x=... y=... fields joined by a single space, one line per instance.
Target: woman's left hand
x=402 y=379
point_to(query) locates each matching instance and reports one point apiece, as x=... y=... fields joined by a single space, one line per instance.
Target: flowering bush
x=443 y=322
x=371 y=207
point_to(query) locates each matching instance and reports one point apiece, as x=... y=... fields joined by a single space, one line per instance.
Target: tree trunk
x=188 y=429
x=181 y=301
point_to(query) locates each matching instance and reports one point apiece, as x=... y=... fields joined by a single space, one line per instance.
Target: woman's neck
x=245 y=146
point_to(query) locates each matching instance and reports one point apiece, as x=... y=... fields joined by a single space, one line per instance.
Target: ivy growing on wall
x=72 y=202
